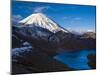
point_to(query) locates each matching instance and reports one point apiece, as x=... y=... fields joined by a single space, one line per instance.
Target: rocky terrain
x=92 y=61
x=37 y=39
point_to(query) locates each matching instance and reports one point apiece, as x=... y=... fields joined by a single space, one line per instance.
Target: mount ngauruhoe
x=41 y=20
x=40 y=31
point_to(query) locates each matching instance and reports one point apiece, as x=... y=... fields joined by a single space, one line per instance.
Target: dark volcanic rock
x=36 y=61
x=42 y=43
x=74 y=43
x=92 y=61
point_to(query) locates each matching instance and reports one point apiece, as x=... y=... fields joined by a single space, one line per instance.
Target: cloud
x=65 y=18
x=16 y=18
x=41 y=9
x=77 y=18
x=91 y=30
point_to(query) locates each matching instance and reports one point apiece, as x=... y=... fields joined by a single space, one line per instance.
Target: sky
x=72 y=17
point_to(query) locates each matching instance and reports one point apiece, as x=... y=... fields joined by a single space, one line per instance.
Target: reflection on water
x=76 y=60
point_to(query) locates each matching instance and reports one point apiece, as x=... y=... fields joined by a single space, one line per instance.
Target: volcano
x=41 y=20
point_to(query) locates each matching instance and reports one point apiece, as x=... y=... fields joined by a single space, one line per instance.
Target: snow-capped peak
x=40 y=20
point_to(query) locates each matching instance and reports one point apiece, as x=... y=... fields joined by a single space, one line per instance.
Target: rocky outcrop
x=92 y=61
x=89 y=35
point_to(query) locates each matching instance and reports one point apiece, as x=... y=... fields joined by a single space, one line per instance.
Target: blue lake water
x=77 y=60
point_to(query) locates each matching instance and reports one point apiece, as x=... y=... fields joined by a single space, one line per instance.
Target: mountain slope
x=41 y=20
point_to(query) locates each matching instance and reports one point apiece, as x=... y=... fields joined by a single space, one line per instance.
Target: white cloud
x=41 y=9
x=77 y=18
x=16 y=18
x=65 y=18
x=91 y=30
